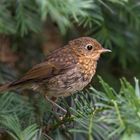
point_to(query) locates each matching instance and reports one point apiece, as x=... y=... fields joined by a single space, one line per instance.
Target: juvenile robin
x=65 y=71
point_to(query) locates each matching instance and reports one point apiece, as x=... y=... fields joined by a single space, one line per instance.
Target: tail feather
x=14 y=85
x=5 y=87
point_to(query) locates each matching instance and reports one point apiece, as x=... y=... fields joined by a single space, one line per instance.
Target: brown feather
x=42 y=71
x=4 y=87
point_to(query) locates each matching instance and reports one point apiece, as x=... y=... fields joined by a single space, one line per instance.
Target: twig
x=49 y=138
x=60 y=123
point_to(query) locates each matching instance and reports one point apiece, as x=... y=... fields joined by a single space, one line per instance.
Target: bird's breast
x=87 y=67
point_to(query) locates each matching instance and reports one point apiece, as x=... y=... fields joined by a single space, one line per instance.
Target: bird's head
x=87 y=47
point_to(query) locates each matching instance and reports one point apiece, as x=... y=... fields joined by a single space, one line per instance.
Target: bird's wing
x=46 y=70
x=42 y=71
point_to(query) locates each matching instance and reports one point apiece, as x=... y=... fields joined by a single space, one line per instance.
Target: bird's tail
x=5 y=87
x=13 y=85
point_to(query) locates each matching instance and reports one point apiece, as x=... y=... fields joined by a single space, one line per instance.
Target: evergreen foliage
x=100 y=115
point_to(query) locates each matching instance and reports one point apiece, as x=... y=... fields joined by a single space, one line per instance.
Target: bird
x=64 y=72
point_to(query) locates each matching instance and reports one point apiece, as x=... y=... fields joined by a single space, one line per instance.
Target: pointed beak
x=104 y=50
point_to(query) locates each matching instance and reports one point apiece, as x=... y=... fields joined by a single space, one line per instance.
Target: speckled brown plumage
x=64 y=71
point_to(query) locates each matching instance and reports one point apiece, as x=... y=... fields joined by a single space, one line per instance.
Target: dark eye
x=89 y=47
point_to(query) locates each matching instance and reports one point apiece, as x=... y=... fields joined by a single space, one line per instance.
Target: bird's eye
x=89 y=47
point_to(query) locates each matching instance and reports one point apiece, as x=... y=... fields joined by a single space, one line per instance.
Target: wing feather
x=42 y=71
x=50 y=67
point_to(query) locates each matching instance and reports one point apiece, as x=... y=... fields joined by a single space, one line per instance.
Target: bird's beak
x=104 y=50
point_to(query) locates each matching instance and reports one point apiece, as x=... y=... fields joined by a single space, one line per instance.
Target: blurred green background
x=31 y=29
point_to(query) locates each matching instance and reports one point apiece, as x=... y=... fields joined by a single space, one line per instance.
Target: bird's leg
x=55 y=104
x=55 y=107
